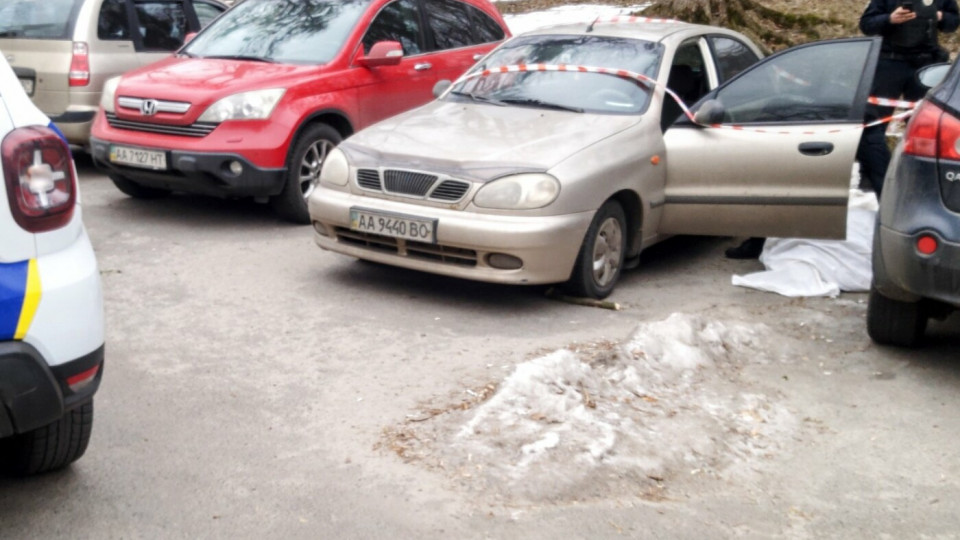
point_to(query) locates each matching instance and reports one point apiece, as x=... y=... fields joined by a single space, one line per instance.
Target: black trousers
x=894 y=78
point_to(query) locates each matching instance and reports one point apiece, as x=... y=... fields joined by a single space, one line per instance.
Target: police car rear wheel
x=50 y=447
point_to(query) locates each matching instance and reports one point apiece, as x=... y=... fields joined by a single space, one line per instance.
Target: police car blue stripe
x=54 y=127
x=13 y=288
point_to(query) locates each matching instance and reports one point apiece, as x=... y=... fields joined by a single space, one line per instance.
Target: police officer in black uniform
x=909 y=29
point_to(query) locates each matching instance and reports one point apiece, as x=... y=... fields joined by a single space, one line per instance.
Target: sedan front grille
x=408 y=248
x=412 y=184
x=199 y=129
x=450 y=190
x=369 y=179
x=408 y=183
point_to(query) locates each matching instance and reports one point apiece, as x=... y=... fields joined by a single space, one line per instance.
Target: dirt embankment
x=775 y=24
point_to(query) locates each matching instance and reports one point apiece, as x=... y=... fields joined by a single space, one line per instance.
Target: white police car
x=51 y=306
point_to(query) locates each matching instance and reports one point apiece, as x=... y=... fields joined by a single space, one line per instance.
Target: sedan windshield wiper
x=480 y=99
x=240 y=57
x=541 y=103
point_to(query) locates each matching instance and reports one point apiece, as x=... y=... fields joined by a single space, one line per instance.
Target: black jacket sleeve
x=875 y=20
x=951 y=17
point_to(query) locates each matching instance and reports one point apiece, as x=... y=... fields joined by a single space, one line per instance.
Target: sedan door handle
x=816 y=148
x=423 y=66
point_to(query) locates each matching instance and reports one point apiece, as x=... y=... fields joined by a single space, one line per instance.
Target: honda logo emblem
x=148 y=107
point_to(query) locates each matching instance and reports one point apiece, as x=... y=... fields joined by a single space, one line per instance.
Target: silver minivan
x=64 y=50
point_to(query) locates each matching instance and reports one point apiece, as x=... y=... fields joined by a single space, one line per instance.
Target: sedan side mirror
x=383 y=53
x=711 y=112
x=441 y=87
x=933 y=75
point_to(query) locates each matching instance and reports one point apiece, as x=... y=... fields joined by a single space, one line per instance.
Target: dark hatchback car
x=916 y=253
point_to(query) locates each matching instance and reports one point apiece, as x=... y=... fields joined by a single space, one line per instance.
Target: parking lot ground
x=253 y=383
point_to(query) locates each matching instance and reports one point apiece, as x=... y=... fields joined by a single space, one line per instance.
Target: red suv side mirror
x=383 y=53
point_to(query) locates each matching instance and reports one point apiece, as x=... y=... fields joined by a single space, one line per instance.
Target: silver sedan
x=562 y=155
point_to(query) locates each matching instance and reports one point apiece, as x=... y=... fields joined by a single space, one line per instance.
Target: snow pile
x=665 y=402
x=571 y=14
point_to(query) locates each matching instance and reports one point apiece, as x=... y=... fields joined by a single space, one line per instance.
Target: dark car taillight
x=38 y=170
x=921 y=136
x=80 y=65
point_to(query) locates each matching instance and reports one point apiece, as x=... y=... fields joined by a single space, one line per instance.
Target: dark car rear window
x=38 y=19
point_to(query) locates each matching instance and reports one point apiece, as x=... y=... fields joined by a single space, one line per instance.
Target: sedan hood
x=480 y=141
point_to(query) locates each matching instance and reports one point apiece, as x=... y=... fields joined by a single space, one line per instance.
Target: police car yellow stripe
x=31 y=300
x=20 y=292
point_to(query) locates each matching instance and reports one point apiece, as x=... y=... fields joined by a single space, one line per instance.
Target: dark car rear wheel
x=50 y=447
x=135 y=190
x=892 y=322
x=598 y=266
x=303 y=171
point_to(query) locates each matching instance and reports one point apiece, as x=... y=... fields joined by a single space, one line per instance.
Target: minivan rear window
x=38 y=19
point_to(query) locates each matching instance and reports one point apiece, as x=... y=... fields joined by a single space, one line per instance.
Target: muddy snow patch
x=612 y=418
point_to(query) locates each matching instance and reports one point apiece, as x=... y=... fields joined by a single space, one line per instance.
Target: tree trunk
x=770 y=28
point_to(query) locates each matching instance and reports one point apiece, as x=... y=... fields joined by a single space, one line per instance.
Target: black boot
x=749 y=249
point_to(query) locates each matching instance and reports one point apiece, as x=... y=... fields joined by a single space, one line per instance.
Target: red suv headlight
x=38 y=171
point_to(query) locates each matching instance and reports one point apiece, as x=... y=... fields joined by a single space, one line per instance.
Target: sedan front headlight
x=518 y=192
x=109 y=92
x=256 y=105
x=336 y=169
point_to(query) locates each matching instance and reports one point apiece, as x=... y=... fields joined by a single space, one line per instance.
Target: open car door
x=780 y=163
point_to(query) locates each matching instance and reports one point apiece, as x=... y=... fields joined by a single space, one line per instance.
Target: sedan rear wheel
x=892 y=322
x=303 y=171
x=600 y=261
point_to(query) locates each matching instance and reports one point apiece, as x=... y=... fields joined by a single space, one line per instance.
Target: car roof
x=656 y=31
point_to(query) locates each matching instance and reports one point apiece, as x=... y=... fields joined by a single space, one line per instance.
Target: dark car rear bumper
x=935 y=276
x=196 y=172
x=912 y=207
x=33 y=394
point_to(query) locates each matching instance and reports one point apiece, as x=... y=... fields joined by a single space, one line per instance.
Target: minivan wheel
x=50 y=447
x=303 y=171
x=892 y=322
x=135 y=190
x=598 y=266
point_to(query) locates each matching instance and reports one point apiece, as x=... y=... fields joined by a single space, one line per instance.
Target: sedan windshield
x=287 y=31
x=571 y=90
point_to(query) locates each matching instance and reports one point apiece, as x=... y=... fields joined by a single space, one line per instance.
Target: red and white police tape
x=626 y=74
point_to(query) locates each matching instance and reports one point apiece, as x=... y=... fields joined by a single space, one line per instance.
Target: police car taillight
x=38 y=172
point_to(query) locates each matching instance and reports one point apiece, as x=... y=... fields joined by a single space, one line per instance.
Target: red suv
x=252 y=105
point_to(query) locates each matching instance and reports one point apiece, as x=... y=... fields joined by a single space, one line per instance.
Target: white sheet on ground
x=798 y=267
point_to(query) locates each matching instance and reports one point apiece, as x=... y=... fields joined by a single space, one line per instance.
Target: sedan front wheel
x=598 y=266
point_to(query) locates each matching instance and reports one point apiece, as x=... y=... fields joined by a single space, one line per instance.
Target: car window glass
x=287 y=31
x=687 y=79
x=112 y=23
x=731 y=56
x=807 y=84
x=206 y=12
x=398 y=21
x=162 y=25
x=487 y=29
x=450 y=24
x=38 y=19
x=590 y=92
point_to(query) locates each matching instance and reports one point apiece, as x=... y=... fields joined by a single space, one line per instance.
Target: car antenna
x=595 y=21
